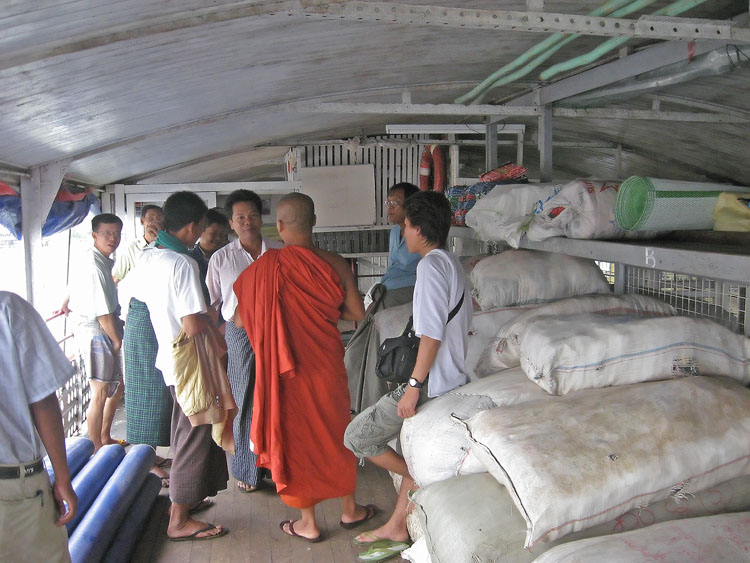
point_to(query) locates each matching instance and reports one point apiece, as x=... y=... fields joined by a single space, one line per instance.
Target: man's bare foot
x=381 y=533
x=246 y=488
x=163 y=475
x=194 y=529
x=111 y=440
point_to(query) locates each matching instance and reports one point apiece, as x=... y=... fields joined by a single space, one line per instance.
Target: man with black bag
x=442 y=315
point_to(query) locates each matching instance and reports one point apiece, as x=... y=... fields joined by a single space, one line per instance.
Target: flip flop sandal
x=245 y=488
x=164 y=463
x=123 y=443
x=291 y=532
x=383 y=550
x=370 y=511
x=194 y=535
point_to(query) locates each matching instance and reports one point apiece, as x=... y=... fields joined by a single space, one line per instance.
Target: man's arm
x=48 y=422
x=194 y=324
x=110 y=325
x=426 y=354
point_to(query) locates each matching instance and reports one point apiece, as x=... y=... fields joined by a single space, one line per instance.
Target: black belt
x=15 y=472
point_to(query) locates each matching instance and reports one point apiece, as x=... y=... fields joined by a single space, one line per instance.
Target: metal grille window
x=608 y=269
x=724 y=302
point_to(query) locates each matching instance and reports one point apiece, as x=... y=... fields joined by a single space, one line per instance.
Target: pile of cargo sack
x=587 y=414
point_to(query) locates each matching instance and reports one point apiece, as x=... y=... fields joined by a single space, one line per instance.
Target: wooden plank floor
x=253 y=520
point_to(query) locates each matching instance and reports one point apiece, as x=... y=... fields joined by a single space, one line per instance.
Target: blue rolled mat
x=123 y=544
x=77 y=451
x=90 y=539
x=92 y=478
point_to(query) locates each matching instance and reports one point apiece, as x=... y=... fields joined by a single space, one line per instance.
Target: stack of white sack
x=502 y=351
x=518 y=277
x=567 y=353
x=473 y=518
x=434 y=445
x=584 y=458
x=582 y=209
x=501 y=214
x=722 y=537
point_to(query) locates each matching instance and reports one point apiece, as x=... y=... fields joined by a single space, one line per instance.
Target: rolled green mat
x=654 y=204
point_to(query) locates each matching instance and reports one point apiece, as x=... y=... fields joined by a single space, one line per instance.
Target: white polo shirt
x=169 y=284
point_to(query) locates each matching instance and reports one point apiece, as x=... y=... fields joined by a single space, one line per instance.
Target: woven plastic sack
x=502 y=351
x=505 y=172
x=642 y=443
x=500 y=215
x=567 y=353
x=435 y=446
x=721 y=537
x=732 y=212
x=518 y=277
x=472 y=518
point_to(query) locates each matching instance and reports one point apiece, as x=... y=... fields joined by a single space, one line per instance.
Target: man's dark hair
x=108 y=218
x=431 y=212
x=242 y=195
x=146 y=208
x=216 y=216
x=407 y=188
x=183 y=208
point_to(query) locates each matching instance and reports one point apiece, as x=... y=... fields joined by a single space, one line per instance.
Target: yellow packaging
x=732 y=212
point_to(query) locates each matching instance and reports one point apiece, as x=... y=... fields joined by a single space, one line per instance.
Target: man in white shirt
x=152 y=220
x=440 y=289
x=243 y=207
x=98 y=332
x=32 y=369
x=167 y=280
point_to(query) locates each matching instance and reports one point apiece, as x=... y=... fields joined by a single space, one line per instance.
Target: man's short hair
x=108 y=218
x=407 y=188
x=146 y=208
x=431 y=212
x=242 y=195
x=215 y=216
x=183 y=208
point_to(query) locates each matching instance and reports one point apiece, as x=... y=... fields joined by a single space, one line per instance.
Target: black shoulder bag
x=397 y=356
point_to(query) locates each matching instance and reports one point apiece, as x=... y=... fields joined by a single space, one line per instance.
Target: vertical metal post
x=490 y=150
x=519 y=149
x=545 y=144
x=619 y=278
x=618 y=162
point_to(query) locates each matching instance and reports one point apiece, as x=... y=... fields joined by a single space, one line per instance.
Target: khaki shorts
x=28 y=516
x=369 y=433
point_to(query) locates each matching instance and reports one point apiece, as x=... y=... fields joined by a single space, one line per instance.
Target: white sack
x=500 y=214
x=722 y=537
x=392 y=321
x=518 y=277
x=472 y=518
x=582 y=209
x=502 y=351
x=582 y=459
x=435 y=446
x=566 y=353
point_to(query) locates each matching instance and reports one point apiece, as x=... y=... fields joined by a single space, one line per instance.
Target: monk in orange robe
x=290 y=301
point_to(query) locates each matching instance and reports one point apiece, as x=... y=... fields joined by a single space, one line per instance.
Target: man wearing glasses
x=395 y=288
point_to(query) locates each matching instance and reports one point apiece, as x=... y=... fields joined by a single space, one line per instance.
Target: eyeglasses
x=390 y=203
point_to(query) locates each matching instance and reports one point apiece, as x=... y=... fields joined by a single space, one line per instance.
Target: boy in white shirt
x=439 y=289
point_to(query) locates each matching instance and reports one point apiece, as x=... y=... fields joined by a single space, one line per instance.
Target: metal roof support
x=545 y=144
x=37 y=194
x=490 y=146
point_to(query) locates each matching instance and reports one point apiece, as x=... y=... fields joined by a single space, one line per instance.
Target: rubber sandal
x=205 y=504
x=292 y=533
x=245 y=488
x=382 y=550
x=370 y=511
x=194 y=535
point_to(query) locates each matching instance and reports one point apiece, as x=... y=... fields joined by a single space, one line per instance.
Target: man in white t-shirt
x=440 y=289
x=167 y=280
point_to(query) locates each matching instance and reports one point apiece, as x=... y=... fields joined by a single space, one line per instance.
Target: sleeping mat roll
x=78 y=450
x=91 y=538
x=92 y=478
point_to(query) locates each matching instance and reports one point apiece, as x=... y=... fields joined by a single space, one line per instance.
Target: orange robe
x=289 y=302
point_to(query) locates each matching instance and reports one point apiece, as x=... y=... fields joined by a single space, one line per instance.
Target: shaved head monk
x=290 y=301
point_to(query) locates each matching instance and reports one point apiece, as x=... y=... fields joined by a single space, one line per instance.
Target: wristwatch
x=414 y=383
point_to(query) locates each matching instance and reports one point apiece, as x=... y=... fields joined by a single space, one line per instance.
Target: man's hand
x=407 y=406
x=64 y=309
x=65 y=492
